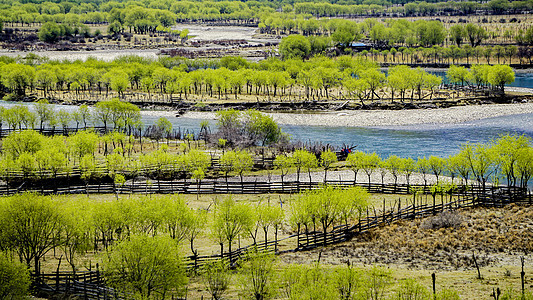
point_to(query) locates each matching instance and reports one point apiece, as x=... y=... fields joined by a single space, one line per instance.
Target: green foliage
x=146 y=267
x=14 y=278
x=230 y=220
x=328 y=206
x=31 y=227
x=303 y=159
x=500 y=75
x=327 y=158
x=247 y=128
x=19 y=142
x=295 y=46
x=236 y=161
x=83 y=143
x=412 y=290
x=217 y=278
x=50 y=32
x=258 y=275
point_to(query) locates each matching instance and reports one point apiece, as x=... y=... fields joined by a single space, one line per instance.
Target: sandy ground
x=106 y=55
x=370 y=118
x=210 y=33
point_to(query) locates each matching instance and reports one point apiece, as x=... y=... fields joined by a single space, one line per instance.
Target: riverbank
x=373 y=118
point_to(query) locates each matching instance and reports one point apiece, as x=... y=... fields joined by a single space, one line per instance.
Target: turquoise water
x=407 y=141
x=416 y=140
x=523 y=80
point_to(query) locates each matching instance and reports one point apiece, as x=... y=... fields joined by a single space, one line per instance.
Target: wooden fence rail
x=247 y=187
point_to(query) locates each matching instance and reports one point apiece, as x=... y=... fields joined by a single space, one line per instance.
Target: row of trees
x=35 y=155
x=113 y=114
x=317 y=78
x=409 y=8
x=136 y=15
x=343 y=32
x=141 y=13
x=34 y=225
x=481 y=75
x=507 y=158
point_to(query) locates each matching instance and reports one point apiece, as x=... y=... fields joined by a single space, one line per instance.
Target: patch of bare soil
x=498 y=236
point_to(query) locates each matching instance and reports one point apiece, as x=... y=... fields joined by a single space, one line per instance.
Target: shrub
x=445 y=219
x=14 y=279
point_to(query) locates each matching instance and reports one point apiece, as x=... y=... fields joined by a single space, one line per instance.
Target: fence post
x=383 y=210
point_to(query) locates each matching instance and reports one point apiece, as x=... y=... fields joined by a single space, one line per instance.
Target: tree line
x=317 y=78
x=146 y=15
x=391 y=33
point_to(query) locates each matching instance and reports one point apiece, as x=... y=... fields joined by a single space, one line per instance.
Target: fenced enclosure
x=91 y=284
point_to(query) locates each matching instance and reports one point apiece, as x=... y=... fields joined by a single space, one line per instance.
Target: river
x=406 y=141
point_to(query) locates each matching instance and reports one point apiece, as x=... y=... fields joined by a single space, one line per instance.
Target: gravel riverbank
x=372 y=118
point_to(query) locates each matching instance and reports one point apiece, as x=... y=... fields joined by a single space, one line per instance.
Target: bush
x=14 y=279
x=445 y=219
x=448 y=295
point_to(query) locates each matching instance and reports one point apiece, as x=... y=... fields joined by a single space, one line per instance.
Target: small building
x=358 y=46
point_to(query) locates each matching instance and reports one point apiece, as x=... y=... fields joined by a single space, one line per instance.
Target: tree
x=294 y=46
x=481 y=159
x=369 y=163
x=18 y=77
x=14 y=278
x=164 y=126
x=436 y=164
x=269 y=216
x=458 y=74
x=217 y=278
x=457 y=33
x=114 y=27
x=508 y=150
x=230 y=220
x=353 y=161
x=261 y=127
x=82 y=143
x=422 y=164
x=304 y=159
x=31 y=227
x=258 y=275
x=327 y=158
x=500 y=75
x=119 y=83
x=375 y=80
x=50 y=32
x=475 y=34
x=284 y=163
x=27 y=141
x=145 y=266
x=44 y=112
x=344 y=36
x=394 y=164
x=243 y=162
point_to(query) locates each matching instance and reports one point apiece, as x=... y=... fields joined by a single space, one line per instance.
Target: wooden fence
x=210 y=186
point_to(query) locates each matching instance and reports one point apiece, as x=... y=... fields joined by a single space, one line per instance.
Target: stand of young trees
x=143 y=15
x=507 y=158
x=344 y=77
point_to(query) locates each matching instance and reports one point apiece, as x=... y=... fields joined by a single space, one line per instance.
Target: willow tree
x=32 y=226
x=144 y=266
x=327 y=158
x=230 y=220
